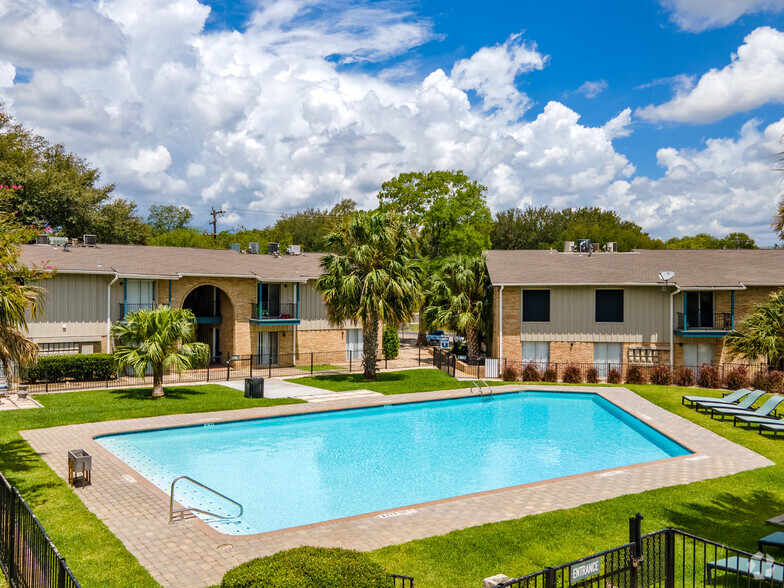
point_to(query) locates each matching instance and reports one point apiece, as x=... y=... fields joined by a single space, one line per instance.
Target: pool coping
x=190 y=553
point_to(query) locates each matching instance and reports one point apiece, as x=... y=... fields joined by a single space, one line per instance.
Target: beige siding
x=74 y=301
x=313 y=313
x=572 y=312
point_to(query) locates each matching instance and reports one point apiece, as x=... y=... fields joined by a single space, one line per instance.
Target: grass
x=731 y=510
x=402 y=382
x=321 y=367
x=96 y=556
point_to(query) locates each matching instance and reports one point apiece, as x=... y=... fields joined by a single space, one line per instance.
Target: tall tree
x=117 y=222
x=760 y=334
x=164 y=218
x=460 y=299
x=375 y=278
x=159 y=339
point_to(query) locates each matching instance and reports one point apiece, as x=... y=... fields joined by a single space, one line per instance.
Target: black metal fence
x=244 y=366
x=402 y=581
x=28 y=558
x=665 y=559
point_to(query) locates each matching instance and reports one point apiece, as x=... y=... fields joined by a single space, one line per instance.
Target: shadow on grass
x=17 y=456
x=174 y=393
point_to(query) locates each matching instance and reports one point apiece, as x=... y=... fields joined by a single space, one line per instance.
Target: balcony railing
x=701 y=321
x=127 y=308
x=267 y=311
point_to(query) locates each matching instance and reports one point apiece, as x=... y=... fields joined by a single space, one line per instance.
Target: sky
x=666 y=111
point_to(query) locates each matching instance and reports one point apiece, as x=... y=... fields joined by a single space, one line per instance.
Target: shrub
x=531 y=373
x=737 y=378
x=613 y=376
x=390 y=342
x=459 y=348
x=592 y=375
x=770 y=381
x=661 y=376
x=81 y=368
x=510 y=374
x=635 y=375
x=709 y=377
x=684 y=377
x=572 y=375
x=312 y=567
x=550 y=375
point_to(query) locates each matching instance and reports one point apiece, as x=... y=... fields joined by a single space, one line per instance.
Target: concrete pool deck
x=190 y=554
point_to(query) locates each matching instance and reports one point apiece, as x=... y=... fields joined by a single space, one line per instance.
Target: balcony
x=702 y=324
x=280 y=313
x=127 y=308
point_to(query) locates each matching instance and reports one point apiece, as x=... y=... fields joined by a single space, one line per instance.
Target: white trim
x=109 y=314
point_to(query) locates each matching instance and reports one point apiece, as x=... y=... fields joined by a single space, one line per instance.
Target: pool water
x=302 y=469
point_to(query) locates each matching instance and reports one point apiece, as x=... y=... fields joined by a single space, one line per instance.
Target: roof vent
x=612 y=247
x=235 y=247
x=42 y=239
x=253 y=247
x=294 y=250
x=90 y=240
x=273 y=248
x=568 y=246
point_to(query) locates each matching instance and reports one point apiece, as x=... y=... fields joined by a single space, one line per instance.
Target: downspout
x=501 y=323
x=109 y=313
x=672 y=326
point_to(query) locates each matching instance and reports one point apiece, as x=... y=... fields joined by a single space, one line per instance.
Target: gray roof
x=694 y=268
x=174 y=262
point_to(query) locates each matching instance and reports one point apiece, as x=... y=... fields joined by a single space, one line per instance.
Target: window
x=536 y=351
x=697 y=353
x=606 y=355
x=699 y=310
x=609 y=306
x=536 y=306
x=268 y=348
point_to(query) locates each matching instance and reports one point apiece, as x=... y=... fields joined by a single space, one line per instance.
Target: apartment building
x=264 y=305
x=644 y=307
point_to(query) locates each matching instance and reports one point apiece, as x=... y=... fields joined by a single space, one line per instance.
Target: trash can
x=254 y=387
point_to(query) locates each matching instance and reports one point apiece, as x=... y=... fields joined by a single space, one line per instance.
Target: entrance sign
x=585 y=569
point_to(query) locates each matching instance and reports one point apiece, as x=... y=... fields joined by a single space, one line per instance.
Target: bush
x=770 y=381
x=661 y=376
x=572 y=375
x=459 y=348
x=390 y=342
x=311 y=567
x=613 y=376
x=80 y=368
x=635 y=375
x=510 y=374
x=550 y=375
x=737 y=378
x=684 y=377
x=592 y=375
x=709 y=377
x=531 y=373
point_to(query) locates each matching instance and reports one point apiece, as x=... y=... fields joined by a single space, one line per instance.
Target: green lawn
x=96 y=556
x=402 y=382
x=322 y=367
x=731 y=510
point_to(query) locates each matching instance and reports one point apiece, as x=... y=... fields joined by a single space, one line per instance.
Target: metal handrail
x=478 y=387
x=173 y=511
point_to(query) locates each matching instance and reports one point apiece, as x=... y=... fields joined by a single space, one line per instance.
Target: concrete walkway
x=281 y=389
x=13 y=402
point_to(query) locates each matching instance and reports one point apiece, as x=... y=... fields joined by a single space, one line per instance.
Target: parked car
x=434 y=337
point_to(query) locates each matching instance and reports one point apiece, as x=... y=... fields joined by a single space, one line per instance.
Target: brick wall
x=565 y=352
x=320 y=341
x=512 y=319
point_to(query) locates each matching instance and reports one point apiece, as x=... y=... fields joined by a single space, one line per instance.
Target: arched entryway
x=213 y=309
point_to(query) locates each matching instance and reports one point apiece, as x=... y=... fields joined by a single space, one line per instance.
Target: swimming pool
x=302 y=469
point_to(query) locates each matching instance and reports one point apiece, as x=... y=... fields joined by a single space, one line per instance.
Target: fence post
x=228 y=368
x=669 y=559
x=420 y=357
x=250 y=362
x=270 y=366
x=11 y=537
x=635 y=536
x=60 y=572
x=350 y=357
x=549 y=578
x=208 y=372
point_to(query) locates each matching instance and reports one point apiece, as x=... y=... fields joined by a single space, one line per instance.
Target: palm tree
x=375 y=278
x=761 y=334
x=459 y=298
x=159 y=340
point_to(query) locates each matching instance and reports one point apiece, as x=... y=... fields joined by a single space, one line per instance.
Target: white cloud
x=619 y=125
x=591 y=89
x=755 y=77
x=7 y=74
x=698 y=15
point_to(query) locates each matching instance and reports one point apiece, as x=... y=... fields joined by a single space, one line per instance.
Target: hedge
x=311 y=567
x=80 y=368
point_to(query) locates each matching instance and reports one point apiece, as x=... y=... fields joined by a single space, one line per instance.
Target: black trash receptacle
x=254 y=387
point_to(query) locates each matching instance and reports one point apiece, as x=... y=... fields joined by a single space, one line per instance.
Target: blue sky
x=668 y=111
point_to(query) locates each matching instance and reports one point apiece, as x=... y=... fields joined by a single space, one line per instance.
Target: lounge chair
x=728 y=399
x=777 y=428
x=761 y=419
x=763 y=411
x=744 y=404
x=769 y=571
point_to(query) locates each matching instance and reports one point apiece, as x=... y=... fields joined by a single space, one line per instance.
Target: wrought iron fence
x=28 y=558
x=402 y=581
x=240 y=367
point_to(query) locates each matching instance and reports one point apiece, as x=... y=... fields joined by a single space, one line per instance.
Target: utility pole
x=214 y=223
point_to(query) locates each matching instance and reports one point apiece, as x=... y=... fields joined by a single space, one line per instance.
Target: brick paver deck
x=189 y=553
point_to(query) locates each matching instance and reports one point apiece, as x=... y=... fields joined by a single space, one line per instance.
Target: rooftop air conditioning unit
x=273 y=248
x=583 y=245
x=294 y=250
x=90 y=240
x=253 y=247
x=42 y=239
x=568 y=246
x=595 y=247
x=612 y=247
x=235 y=247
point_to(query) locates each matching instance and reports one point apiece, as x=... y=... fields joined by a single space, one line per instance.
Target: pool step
x=332 y=396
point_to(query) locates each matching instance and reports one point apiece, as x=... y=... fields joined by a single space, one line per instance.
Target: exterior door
x=270 y=300
x=606 y=356
x=268 y=348
x=699 y=310
x=138 y=294
x=354 y=344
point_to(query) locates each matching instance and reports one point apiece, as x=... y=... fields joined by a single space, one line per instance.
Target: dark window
x=536 y=306
x=609 y=306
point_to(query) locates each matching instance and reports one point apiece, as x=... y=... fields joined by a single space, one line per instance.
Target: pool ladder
x=182 y=511
x=479 y=387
